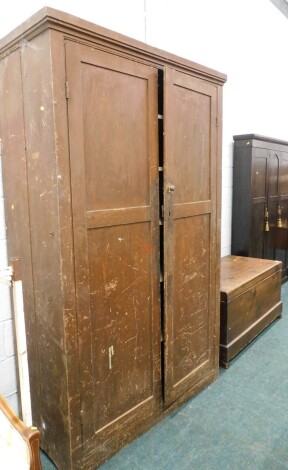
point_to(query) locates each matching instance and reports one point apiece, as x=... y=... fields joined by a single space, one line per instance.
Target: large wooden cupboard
x=111 y=163
x=260 y=198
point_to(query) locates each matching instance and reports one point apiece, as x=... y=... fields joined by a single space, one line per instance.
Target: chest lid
x=239 y=273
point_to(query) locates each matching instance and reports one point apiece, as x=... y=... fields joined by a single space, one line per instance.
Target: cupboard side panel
x=241 y=204
x=45 y=245
x=16 y=200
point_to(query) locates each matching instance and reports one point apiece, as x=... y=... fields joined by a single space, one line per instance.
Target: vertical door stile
x=78 y=196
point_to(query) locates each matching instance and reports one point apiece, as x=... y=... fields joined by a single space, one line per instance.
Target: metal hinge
x=67 y=90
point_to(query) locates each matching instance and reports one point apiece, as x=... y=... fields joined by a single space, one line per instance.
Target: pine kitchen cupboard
x=260 y=198
x=111 y=163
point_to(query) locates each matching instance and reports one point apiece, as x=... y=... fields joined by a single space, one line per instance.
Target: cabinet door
x=282 y=233
x=272 y=204
x=276 y=200
x=259 y=201
x=190 y=230
x=112 y=111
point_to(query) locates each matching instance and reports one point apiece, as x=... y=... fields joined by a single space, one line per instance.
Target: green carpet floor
x=238 y=422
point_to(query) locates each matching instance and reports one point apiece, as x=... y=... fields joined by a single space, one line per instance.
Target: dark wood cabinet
x=111 y=163
x=260 y=198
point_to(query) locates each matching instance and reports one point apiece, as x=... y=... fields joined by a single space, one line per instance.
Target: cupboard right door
x=190 y=231
x=282 y=233
x=276 y=240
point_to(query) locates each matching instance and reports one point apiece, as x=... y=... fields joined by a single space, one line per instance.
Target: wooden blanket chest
x=250 y=301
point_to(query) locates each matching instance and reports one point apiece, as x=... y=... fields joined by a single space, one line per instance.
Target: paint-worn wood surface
x=116 y=236
x=260 y=198
x=190 y=175
x=250 y=301
x=122 y=315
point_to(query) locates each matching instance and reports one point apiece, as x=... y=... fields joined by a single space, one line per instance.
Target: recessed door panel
x=191 y=118
x=189 y=335
x=121 y=323
x=257 y=229
x=113 y=182
x=259 y=175
x=283 y=175
x=112 y=110
x=189 y=231
x=273 y=178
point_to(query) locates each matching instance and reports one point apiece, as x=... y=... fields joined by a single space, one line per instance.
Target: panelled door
x=282 y=232
x=259 y=177
x=275 y=243
x=272 y=196
x=270 y=206
x=113 y=133
x=190 y=258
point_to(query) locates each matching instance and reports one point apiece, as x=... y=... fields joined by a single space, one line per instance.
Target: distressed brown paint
x=112 y=349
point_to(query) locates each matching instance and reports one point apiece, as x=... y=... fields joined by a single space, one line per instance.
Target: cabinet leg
x=225 y=365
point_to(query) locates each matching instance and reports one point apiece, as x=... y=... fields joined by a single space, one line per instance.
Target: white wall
x=246 y=39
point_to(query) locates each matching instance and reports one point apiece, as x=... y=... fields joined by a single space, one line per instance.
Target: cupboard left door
x=113 y=136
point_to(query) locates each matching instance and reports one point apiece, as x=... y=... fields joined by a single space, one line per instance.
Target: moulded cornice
x=71 y=26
